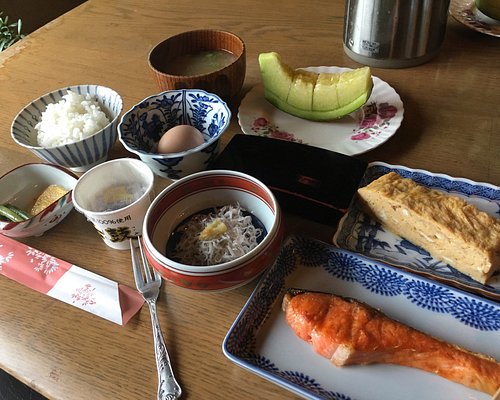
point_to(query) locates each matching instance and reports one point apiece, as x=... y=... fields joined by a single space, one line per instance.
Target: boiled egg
x=180 y=138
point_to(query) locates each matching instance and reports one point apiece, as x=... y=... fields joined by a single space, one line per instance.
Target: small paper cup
x=115 y=196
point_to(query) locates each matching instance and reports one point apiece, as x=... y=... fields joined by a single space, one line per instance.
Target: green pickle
x=13 y=214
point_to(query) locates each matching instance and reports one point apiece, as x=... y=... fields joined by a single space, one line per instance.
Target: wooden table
x=451 y=125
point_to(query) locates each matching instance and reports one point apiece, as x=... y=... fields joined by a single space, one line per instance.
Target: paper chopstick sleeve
x=67 y=282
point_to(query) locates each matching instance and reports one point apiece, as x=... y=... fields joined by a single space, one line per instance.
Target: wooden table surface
x=451 y=125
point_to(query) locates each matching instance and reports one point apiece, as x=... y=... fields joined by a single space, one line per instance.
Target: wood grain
x=450 y=125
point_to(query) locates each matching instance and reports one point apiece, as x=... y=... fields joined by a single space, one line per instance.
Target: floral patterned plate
x=466 y=12
x=261 y=341
x=356 y=133
x=359 y=233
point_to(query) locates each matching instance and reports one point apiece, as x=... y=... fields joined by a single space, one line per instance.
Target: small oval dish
x=141 y=128
x=22 y=186
x=78 y=156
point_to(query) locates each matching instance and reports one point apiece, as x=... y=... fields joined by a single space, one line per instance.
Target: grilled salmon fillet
x=349 y=332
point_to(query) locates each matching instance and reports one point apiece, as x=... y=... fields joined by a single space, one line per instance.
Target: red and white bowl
x=22 y=185
x=198 y=192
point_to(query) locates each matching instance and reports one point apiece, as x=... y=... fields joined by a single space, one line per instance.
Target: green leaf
x=9 y=33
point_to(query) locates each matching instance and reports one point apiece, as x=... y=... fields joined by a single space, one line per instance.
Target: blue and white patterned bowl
x=79 y=156
x=141 y=128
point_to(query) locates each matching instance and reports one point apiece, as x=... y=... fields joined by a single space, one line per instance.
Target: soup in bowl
x=209 y=59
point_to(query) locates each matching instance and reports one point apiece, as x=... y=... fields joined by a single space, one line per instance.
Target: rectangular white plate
x=261 y=341
x=360 y=233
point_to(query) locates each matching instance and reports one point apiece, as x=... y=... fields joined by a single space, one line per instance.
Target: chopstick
x=496 y=396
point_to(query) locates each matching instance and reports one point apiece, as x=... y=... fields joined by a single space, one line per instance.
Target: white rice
x=73 y=118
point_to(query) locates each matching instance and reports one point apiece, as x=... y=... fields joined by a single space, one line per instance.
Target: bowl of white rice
x=74 y=126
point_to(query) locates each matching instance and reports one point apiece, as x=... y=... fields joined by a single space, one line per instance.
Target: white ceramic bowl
x=79 y=156
x=141 y=128
x=198 y=192
x=22 y=186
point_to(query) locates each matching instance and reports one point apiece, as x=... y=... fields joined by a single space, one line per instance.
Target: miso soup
x=200 y=62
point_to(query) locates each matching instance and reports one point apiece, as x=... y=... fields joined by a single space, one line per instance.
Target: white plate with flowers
x=466 y=12
x=356 y=133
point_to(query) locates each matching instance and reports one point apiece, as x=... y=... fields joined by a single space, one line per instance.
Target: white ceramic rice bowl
x=78 y=156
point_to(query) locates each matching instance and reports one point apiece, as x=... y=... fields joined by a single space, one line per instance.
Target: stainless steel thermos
x=394 y=33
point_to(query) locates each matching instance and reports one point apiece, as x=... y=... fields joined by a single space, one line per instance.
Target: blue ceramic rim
x=142 y=153
x=119 y=100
